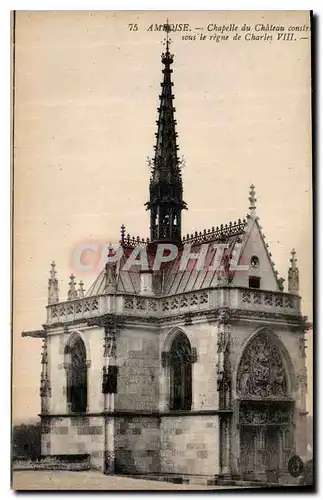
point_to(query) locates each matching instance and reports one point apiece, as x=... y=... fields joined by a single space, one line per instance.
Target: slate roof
x=174 y=280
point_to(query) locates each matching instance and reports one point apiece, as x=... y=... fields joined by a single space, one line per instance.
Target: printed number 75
x=133 y=27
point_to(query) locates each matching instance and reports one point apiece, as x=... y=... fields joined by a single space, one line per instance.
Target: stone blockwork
x=77 y=436
x=138 y=361
x=189 y=445
x=148 y=437
x=137 y=444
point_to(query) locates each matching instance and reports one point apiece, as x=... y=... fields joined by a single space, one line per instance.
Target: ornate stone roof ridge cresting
x=222 y=231
x=131 y=241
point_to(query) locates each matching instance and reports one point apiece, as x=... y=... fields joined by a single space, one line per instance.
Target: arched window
x=76 y=376
x=180 y=373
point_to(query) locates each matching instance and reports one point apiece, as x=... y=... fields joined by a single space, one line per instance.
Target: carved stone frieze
x=240 y=313
x=265 y=414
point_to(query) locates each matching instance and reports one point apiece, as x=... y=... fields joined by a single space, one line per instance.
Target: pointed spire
x=252 y=200
x=53 y=295
x=81 y=291
x=72 y=293
x=110 y=278
x=293 y=274
x=166 y=188
x=166 y=160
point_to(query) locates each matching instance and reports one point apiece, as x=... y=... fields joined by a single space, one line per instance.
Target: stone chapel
x=198 y=374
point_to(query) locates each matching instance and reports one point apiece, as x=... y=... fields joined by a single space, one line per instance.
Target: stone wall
x=75 y=436
x=176 y=444
x=189 y=445
x=137 y=444
x=138 y=361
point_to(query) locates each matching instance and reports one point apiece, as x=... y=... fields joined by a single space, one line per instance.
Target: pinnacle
x=252 y=200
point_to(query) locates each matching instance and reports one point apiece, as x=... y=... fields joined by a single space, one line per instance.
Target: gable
x=254 y=245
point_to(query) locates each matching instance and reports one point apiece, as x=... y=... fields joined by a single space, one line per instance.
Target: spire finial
x=72 y=293
x=53 y=296
x=293 y=274
x=167 y=41
x=167 y=57
x=81 y=291
x=252 y=200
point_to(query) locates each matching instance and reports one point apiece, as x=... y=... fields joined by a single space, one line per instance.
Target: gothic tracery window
x=181 y=374
x=76 y=376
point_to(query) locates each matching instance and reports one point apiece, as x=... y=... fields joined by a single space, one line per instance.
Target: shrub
x=26 y=442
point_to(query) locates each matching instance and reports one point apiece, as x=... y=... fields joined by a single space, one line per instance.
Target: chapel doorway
x=266 y=408
x=263 y=445
x=260 y=452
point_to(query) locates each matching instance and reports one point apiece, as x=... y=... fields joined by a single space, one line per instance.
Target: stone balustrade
x=151 y=306
x=86 y=307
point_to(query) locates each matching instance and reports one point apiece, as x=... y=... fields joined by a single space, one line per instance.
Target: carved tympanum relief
x=261 y=372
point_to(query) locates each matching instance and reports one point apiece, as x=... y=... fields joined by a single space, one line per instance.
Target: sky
x=86 y=98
